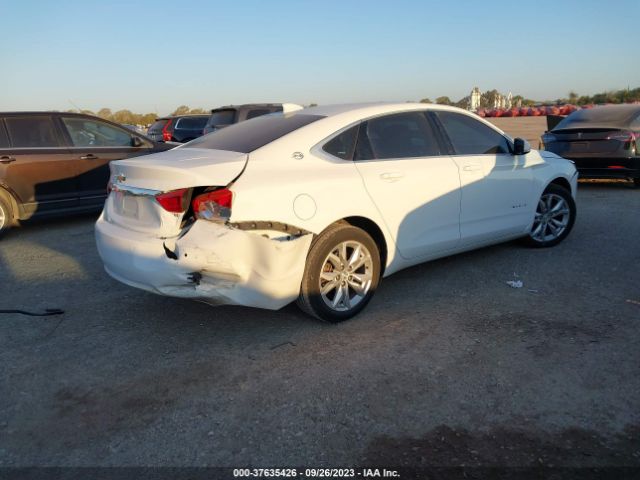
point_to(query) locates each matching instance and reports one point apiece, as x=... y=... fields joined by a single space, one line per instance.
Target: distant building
x=500 y=101
x=475 y=99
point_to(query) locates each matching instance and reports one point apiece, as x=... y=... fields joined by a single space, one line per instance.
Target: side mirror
x=136 y=142
x=521 y=146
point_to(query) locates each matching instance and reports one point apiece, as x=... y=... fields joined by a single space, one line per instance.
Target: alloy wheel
x=552 y=218
x=346 y=276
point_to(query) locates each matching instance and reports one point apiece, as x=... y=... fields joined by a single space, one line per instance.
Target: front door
x=496 y=185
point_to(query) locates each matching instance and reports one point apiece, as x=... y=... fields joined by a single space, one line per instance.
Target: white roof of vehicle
x=372 y=108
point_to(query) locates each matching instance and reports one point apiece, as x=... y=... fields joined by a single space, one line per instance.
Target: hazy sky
x=152 y=56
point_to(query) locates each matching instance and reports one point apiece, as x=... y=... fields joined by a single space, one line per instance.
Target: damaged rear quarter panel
x=241 y=267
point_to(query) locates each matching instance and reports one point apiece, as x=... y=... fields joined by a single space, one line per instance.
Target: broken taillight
x=213 y=206
x=174 y=201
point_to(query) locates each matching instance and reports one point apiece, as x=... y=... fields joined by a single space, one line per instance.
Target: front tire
x=554 y=218
x=341 y=275
x=636 y=182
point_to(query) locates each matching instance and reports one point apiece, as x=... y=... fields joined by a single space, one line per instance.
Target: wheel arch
x=561 y=182
x=375 y=232
x=7 y=196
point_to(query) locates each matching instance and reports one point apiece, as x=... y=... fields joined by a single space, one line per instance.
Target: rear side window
x=248 y=136
x=32 y=132
x=257 y=113
x=401 y=135
x=471 y=137
x=86 y=132
x=192 y=123
x=221 y=117
x=343 y=145
x=4 y=139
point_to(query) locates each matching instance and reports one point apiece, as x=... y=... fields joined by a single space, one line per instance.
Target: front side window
x=342 y=145
x=471 y=137
x=85 y=132
x=32 y=132
x=401 y=135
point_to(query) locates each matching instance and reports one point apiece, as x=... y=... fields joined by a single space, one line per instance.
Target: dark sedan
x=602 y=141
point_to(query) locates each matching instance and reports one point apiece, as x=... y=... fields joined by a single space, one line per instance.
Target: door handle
x=471 y=167
x=89 y=156
x=6 y=159
x=391 y=176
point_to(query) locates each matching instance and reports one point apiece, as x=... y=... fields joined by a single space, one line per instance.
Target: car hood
x=179 y=168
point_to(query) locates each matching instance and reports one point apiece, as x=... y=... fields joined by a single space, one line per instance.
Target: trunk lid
x=132 y=203
x=179 y=168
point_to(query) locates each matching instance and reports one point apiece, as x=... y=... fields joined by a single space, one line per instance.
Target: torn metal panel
x=214 y=263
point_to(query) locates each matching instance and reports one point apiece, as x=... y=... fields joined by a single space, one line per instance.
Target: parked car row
x=184 y=128
x=314 y=205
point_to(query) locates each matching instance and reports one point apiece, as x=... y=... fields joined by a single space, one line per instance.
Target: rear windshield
x=192 y=123
x=221 y=117
x=157 y=125
x=248 y=136
x=606 y=116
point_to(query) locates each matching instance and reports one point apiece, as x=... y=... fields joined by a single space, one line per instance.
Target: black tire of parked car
x=636 y=182
x=6 y=216
x=310 y=299
x=568 y=198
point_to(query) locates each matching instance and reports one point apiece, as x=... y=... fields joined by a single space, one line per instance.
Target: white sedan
x=319 y=204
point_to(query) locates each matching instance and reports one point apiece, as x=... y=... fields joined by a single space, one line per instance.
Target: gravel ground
x=448 y=365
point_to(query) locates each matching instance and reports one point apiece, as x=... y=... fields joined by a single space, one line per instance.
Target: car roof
x=246 y=105
x=373 y=108
x=188 y=115
x=344 y=114
x=50 y=112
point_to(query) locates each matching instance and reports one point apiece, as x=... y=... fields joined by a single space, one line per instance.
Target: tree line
x=487 y=99
x=131 y=118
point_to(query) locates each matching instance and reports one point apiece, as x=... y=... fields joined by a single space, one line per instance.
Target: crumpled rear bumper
x=214 y=263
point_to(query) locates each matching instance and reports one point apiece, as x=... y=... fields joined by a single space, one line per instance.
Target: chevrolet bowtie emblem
x=120 y=178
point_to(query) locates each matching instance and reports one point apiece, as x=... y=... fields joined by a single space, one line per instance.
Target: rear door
x=93 y=144
x=414 y=187
x=496 y=185
x=36 y=164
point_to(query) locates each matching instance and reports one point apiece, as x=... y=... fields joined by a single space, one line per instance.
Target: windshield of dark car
x=252 y=134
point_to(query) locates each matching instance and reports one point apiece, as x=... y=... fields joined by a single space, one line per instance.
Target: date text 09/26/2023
x=315 y=473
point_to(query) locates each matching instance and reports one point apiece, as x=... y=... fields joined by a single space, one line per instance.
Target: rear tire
x=554 y=218
x=636 y=182
x=6 y=216
x=341 y=274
